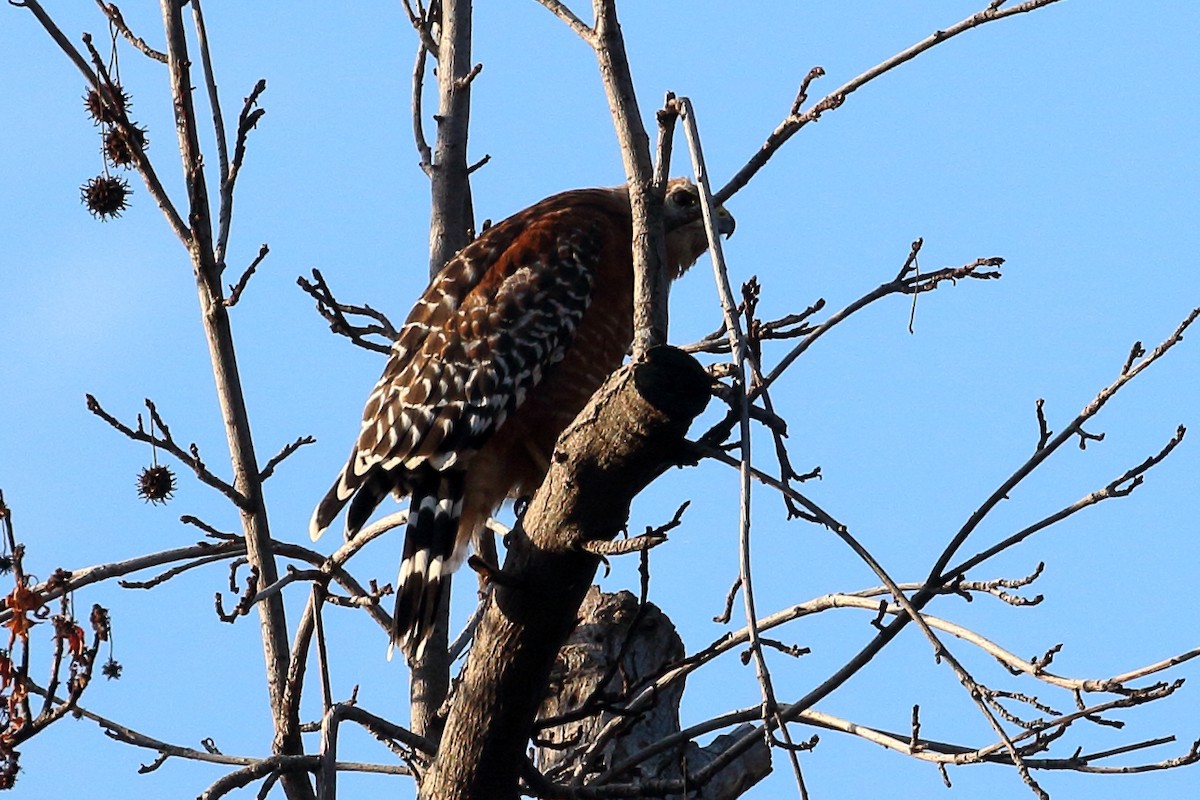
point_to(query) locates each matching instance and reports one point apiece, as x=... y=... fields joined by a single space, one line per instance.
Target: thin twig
x=247 y=120
x=743 y=362
x=335 y=314
x=423 y=23
x=214 y=103
x=190 y=457
x=163 y=577
x=797 y=119
x=979 y=269
x=573 y=22
x=235 y=290
x=291 y=575
x=122 y=733
x=667 y=117
x=278 y=458
x=418 y=122
x=1120 y=486
x=1128 y=373
x=114 y=16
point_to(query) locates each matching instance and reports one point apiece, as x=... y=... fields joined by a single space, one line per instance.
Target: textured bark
x=615 y=640
x=451 y=221
x=630 y=431
x=609 y=623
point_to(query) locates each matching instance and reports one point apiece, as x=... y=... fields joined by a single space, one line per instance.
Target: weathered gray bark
x=614 y=641
x=451 y=221
x=630 y=431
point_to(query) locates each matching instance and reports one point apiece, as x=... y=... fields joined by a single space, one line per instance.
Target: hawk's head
x=687 y=241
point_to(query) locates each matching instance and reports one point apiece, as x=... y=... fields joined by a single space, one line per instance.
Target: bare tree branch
x=1128 y=373
x=651 y=283
x=979 y=269
x=418 y=118
x=247 y=120
x=797 y=119
x=335 y=314
x=190 y=457
x=104 y=86
x=573 y=22
x=114 y=16
x=235 y=291
x=743 y=361
x=278 y=458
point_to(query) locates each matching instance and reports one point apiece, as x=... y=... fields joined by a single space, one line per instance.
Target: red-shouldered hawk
x=501 y=352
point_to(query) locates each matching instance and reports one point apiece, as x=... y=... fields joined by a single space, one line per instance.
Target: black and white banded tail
x=430 y=555
x=431 y=540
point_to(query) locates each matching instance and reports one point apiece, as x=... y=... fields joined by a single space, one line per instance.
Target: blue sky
x=1063 y=141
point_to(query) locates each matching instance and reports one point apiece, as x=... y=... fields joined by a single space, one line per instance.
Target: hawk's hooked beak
x=725 y=222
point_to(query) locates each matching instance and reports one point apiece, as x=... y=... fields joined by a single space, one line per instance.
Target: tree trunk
x=630 y=431
x=625 y=643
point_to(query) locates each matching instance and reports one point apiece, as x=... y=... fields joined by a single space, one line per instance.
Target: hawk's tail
x=429 y=557
x=363 y=494
x=329 y=507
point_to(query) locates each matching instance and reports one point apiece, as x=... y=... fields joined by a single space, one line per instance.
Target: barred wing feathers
x=483 y=334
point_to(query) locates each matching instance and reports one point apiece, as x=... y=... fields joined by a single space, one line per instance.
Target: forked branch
x=337 y=315
x=189 y=457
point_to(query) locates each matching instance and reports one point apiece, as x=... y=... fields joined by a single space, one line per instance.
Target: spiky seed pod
x=6 y=564
x=106 y=197
x=99 y=110
x=111 y=669
x=156 y=484
x=9 y=768
x=118 y=147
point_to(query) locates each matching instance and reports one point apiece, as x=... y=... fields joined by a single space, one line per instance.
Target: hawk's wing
x=483 y=334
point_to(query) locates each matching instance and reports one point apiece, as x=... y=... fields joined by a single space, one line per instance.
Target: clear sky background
x=1064 y=141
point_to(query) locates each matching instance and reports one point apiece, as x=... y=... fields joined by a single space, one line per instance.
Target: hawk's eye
x=685 y=199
